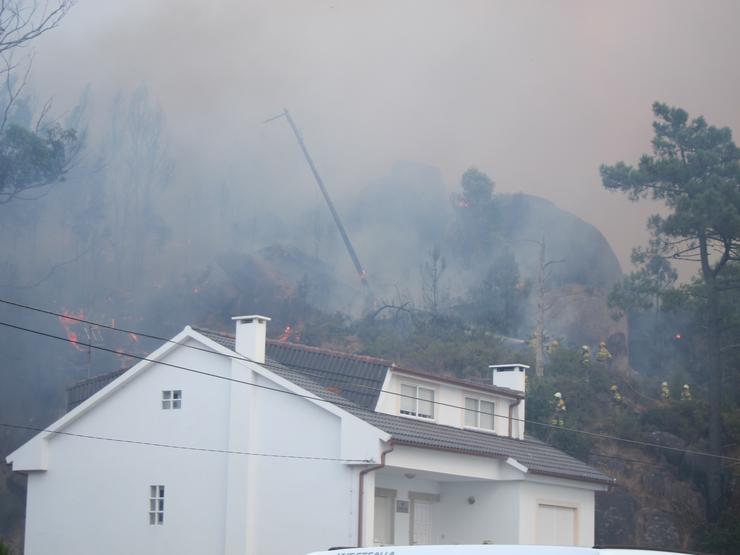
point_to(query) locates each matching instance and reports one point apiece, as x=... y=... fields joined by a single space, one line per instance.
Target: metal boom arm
x=347 y=243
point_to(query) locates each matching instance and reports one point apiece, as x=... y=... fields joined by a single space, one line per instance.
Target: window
x=478 y=413
x=156 y=505
x=172 y=399
x=417 y=401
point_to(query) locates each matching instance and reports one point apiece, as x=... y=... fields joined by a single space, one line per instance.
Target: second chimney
x=511 y=376
x=251 y=335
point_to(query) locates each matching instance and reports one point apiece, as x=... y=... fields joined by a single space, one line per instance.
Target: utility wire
x=316 y=398
x=312 y=397
x=182 y=447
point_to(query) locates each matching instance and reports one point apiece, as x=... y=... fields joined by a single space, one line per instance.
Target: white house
x=241 y=445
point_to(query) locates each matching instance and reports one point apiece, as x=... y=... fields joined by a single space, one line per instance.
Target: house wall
x=506 y=499
x=450 y=400
x=94 y=498
x=301 y=506
x=491 y=518
x=403 y=486
x=559 y=493
x=452 y=464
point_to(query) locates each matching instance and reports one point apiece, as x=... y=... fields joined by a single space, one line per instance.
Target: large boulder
x=587 y=257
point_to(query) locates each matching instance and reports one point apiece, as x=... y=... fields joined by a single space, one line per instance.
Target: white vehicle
x=491 y=550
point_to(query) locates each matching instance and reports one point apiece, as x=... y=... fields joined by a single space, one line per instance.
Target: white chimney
x=251 y=334
x=511 y=376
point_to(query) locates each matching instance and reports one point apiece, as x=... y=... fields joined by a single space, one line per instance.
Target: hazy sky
x=536 y=94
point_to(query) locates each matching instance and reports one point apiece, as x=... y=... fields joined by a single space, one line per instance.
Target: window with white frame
x=172 y=399
x=417 y=401
x=479 y=413
x=156 y=505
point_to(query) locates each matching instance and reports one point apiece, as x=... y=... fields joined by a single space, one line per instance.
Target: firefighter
x=616 y=395
x=553 y=346
x=585 y=355
x=603 y=355
x=665 y=393
x=686 y=392
x=558 y=414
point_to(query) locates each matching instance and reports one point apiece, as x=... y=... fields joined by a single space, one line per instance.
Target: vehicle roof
x=491 y=550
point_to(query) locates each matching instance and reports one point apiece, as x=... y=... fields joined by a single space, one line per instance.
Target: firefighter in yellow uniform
x=558 y=414
x=665 y=392
x=552 y=346
x=603 y=355
x=585 y=355
x=686 y=392
x=616 y=395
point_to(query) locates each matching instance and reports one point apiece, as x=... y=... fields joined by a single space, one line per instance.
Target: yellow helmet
x=614 y=387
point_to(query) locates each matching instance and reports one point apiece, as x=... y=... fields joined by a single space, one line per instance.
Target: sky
x=537 y=94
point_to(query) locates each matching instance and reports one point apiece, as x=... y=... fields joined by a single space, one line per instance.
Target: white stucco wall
x=403 y=485
x=493 y=517
x=301 y=506
x=94 y=496
x=560 y=493
x=506 y=498
x=449 y=397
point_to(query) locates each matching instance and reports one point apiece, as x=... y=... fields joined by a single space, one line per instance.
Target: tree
x=477 y=187
x=476 y=221
x=30 y=157
x=644 y=289
x=695 y=171
x=500 y=299
x=21 y=21
x=543 y=288
x=432 y=271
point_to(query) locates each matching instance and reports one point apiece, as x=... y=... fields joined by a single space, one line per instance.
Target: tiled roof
x=353 y=382
x=78 y=392
x=537 y=456
x=359 y=378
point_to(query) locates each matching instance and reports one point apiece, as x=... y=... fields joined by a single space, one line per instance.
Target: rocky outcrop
x=615 y=517
x=651 y=505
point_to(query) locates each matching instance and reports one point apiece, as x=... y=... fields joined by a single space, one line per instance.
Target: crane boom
x=347 y=243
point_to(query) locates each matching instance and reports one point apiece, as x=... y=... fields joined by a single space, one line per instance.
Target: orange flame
x=286 y=334
x=68 y=319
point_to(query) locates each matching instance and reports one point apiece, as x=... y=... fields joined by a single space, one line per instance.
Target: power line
x=316 y=398
x=182 y=447
x=649 y=463
x=345 y=405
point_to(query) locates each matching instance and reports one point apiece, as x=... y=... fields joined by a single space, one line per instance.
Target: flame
x=67 y=320
x=286 y=334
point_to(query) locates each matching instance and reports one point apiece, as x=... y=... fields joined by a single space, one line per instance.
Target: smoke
x=179 y=170
x=535 y=94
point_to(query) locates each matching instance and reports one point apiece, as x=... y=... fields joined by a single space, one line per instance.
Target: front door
x=421 y=524
x=383 y=530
